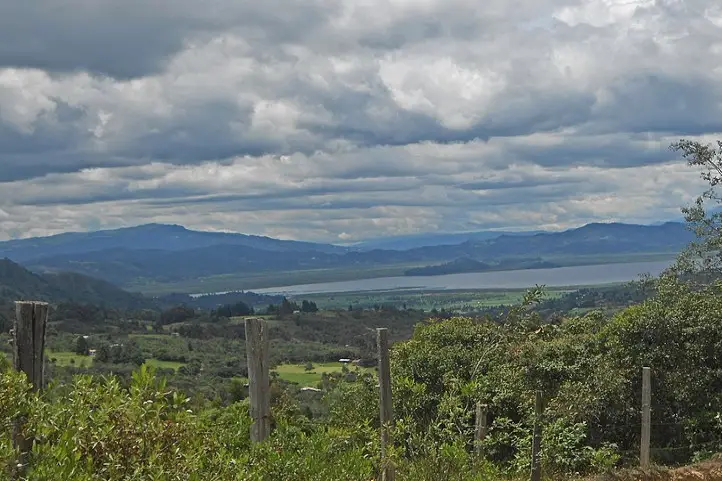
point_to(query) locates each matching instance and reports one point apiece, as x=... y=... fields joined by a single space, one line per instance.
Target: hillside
x=215 y=300
x=18 y=283
x=157 y=255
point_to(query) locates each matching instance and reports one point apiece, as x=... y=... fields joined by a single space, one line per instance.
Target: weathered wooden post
x=388 y=472
x=644 y=458
x=28 y=357
x=259 y=383
x=536 y=441
x=480 y=431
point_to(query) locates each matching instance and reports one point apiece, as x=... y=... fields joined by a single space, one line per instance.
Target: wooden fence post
x=480 y=431
x=388 y=472
x=644 y=458
x=536 y=440
x=259 y=383
x=28 y=357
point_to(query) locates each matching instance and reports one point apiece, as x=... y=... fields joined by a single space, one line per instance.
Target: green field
x=66 y=358
x=462 y=300
x=297 y=372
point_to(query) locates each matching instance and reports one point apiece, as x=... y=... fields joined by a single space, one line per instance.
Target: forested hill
x=18 y=283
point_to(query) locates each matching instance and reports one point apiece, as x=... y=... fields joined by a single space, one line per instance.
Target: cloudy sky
x=340 y=120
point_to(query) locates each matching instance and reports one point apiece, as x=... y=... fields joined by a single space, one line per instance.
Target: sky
x=336 y=121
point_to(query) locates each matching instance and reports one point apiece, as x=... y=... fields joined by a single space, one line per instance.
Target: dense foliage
x=588 y=368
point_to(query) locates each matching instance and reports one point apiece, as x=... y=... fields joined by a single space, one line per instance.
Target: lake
x=519 y=279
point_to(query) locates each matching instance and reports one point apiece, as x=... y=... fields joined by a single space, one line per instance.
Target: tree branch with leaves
x=703 y=258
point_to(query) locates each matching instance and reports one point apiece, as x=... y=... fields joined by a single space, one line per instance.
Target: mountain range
x=400 y=243
x=163 y=237
x=157 y=254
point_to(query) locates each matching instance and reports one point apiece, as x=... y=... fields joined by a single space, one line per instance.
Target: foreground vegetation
x=106 y=427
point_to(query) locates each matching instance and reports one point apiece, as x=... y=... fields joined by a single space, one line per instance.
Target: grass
x=164 y=364
x=297 y=372
x=461 y=300
x=67 y=358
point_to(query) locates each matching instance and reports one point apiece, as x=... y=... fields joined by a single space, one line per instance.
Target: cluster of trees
x=198 y=330
x=287 y=307
x=239 y=308
x=177 y=314
x=126 y=353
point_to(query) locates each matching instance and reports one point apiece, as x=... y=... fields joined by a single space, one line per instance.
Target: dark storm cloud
x=134 y=38
x=663 y=104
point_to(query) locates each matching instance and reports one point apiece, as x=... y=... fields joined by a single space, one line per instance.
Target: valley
x=184 y=321
x=158 y=259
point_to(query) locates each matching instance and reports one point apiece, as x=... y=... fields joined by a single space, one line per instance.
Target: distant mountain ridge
x=146 y=237
x=156 y=254
x=429 y=240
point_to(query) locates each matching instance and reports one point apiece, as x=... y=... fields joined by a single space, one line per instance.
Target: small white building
x=344 y=361
x=310 y=389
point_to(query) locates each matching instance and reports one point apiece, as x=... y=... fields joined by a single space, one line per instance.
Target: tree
x=307 y=306
x=705 y=254
x=240 y=308
x=81 y=346
x=237 y=390
x=177 y=314
x=287 y=307
x=103 y=353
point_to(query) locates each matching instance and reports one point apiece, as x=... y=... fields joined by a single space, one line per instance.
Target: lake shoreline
x=579 y=276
